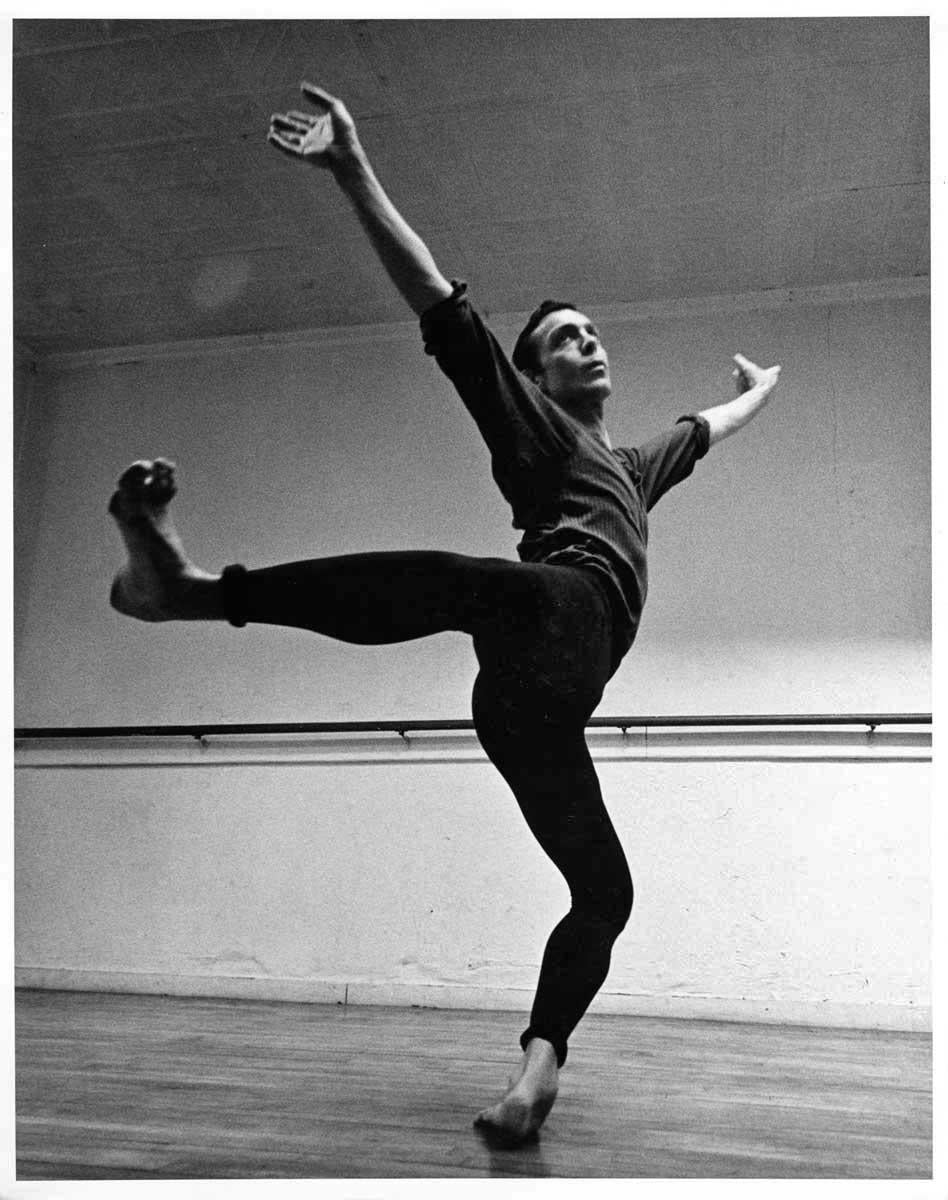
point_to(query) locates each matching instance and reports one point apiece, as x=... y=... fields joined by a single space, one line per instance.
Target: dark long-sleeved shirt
x=577 y=502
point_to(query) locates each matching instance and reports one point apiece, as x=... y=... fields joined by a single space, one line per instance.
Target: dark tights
x=543 y=639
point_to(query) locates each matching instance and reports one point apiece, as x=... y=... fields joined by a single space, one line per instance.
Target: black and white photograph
x=472 y=599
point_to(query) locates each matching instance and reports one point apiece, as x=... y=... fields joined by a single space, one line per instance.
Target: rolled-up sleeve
x=669 y=458
x=522 y=429
x=444 y=327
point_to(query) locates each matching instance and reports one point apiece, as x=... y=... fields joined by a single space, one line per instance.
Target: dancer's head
x=559 y=349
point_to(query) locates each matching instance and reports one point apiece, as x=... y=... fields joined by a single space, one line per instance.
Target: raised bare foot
x=532 y=1093
x=159 y=582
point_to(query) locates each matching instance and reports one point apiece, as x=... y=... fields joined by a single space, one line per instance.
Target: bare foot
x=531 y=1096
x=159 y=583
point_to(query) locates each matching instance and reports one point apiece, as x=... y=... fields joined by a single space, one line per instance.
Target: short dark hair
x=524 y=354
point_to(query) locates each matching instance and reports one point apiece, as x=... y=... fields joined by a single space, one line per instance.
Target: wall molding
x=808 y=1011
x=797 y=744
x=898 y=288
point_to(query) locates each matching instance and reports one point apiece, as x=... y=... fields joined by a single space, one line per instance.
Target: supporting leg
x=531 y=702
x=555 y=784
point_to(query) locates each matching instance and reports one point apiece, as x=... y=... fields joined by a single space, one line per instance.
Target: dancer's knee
x=620 y=906
x=608 y=907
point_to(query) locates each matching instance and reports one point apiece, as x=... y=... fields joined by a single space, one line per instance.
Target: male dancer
x=548 y=631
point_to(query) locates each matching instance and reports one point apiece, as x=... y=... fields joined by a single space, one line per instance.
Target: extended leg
x=381 y=597
x=362 y=598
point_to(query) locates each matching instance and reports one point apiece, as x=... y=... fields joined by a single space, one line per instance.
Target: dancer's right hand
x=322 y=139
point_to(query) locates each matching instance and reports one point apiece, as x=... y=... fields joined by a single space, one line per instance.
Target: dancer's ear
x=537 y=377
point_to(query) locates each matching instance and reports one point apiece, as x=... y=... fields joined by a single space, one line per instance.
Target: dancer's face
x=573 y=365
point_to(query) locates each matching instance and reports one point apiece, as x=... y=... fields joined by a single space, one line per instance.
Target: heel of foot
x=123 y=600
x=515 y=1119
x=508 y=1124
x=117 y=595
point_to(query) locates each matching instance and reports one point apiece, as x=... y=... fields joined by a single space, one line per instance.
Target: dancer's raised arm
x=327 y=138
x=755 y=386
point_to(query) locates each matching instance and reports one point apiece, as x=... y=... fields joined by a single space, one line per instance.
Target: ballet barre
x=202 y=730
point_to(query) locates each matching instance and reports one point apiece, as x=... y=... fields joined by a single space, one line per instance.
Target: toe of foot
x=162 y=485
x=150 y=481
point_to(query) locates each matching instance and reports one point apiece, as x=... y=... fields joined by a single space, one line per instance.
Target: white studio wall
x=790 y=574
x=789 y=890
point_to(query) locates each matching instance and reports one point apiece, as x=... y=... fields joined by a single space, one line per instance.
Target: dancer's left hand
x=749 y=375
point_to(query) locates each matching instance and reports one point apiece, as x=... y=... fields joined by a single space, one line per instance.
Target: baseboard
x=909 y=1018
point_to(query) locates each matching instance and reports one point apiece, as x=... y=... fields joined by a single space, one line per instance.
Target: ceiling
x=606 y=160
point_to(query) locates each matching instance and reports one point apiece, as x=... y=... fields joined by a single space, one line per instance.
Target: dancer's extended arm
x=328 y=139
x=755 y=387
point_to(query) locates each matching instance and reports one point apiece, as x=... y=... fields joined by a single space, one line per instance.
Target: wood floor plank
x=131 y=1087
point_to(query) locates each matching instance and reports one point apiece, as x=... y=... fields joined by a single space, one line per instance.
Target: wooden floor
x=136 y=1087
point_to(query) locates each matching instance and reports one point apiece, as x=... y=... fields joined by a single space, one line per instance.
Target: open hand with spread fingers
x=749 y=375
x=327 y=138
x=322 y=138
